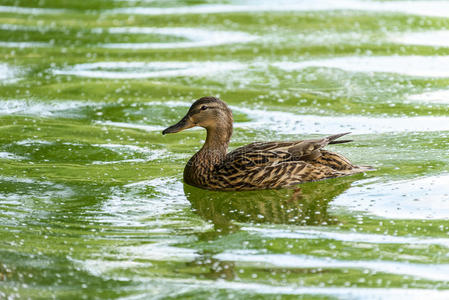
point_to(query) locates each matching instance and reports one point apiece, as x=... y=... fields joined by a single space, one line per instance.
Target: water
x=92 y=203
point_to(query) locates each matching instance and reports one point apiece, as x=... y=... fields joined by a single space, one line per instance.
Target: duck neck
x=200 y=167
x=216 y=145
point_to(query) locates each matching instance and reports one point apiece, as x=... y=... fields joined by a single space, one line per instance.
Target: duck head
x=207 y=112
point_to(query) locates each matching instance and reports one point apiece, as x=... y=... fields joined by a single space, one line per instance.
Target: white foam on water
x=31 y=142
x=25 y=44
x=332 y=38
x=40 y=108
x=185 y=285
x=31 y=10
x=420 y=198
x=101 y=267
x=46 y=190
x=160 y=251
x=7 y=73
x=16 y=27
x=114 y=162
x=131 y=204
x=438 y=272
x=436 y=97
x=11 y=156
x=421 y=66
x=21 y=180
x=423 y=8
x=196 y=37
x=135 y=70
x=150 y=155
x=348 y=236
x=439 y=38
x=281 y=122
x=289 y=123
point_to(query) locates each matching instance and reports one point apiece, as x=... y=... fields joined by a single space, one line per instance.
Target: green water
x=92 y=203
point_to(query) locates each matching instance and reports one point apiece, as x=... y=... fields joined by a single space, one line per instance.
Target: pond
x=92 y=201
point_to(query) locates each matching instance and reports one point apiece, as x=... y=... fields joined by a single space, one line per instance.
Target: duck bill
x=184 y=124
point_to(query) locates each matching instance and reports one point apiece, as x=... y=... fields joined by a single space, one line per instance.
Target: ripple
x=24 y=44
x=186 y=286
x=43 y=109
x=438 y=38
x=289 y=123
x=16 y=27
x=128 y=70
x=346 y=236
x=126 y=150
x=280 y=122
x=7 y=73
x=332 y=38
x=196 y=37
x=11 y=156
x=110 y=153
x=424 y=8
x=426 y=271
x=27 y=187
x=421 y=198
x=421 y=66
x=31 y=10
x=437 y=97
x=134 y=202
x=160 y=251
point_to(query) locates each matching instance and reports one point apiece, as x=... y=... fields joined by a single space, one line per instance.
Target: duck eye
x=204 y=107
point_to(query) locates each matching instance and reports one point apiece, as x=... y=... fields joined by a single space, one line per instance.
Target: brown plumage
x=260 y=165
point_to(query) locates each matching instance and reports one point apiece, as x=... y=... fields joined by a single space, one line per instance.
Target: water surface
x=92 y=203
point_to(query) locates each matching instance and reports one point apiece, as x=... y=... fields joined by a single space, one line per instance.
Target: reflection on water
x=426 y=66
x=421 y=198
x=286 y=122
x=307 y=204
x=127 y=70
x=436 y=97
x=196 y=37
x=425 y=8
x=438 y=38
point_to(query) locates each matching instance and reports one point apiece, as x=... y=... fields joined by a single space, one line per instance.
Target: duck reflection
x=305 y=205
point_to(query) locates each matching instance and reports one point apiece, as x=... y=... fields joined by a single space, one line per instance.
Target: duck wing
x=280 y=164
x=264 y=153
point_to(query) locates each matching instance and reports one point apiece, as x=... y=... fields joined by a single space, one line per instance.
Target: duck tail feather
x=340 y=142
x=336 y=136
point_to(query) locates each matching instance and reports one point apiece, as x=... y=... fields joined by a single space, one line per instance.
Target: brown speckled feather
x=260 y=165
x=279 y=164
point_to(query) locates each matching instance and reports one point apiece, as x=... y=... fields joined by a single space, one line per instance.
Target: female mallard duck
x=260 y=165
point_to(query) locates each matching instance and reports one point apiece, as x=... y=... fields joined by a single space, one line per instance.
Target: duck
x=259 y=165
